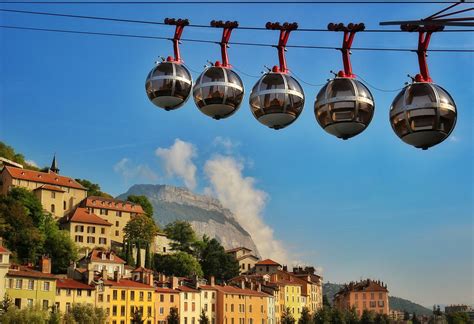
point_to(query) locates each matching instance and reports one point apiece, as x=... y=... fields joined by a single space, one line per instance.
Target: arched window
x=52 y=208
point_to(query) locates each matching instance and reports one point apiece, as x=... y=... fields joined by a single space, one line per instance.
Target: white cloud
x=178 y=161
x=454 y=139
x=226 y=143
x=132 y=172
x=33 y=163
x=239 y=194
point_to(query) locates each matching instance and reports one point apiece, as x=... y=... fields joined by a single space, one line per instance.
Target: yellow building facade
x=70 y=291
x=165 y=300
x=59 y=195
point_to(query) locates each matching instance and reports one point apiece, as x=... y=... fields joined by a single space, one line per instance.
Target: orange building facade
x=367 y=295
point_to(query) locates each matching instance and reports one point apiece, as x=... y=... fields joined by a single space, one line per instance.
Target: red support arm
x=180 y=24
x=349 y=34
x=285 y=31
x=228 y=27
x=424 y=37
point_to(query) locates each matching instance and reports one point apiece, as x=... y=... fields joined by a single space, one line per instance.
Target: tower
x=54 y=166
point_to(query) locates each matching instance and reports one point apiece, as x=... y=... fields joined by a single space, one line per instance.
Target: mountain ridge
x=205 y=213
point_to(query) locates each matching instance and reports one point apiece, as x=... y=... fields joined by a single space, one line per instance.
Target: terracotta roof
x=82 y=215
x=268 y=262
x=364 y=285
x=238 y=291
x=247 y=256
x=142 y=269
x=237 y=249
x=4 y=249
x=50 y=188
x=96 y=256
x=166 y=290
x=67 y=283
x=187 y=289
x=127 y=283
x=43 y=177
x=114 y=204
x=23 y=271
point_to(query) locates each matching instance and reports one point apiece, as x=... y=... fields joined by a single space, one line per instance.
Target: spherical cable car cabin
x=277 y=99
x=169 y=84
x=218 y=91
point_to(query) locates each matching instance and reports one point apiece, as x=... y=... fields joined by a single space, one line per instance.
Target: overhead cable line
x=231 y=43
x=164 y=2
x=150 y=22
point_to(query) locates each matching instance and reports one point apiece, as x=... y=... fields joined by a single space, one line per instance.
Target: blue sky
x=371 y=206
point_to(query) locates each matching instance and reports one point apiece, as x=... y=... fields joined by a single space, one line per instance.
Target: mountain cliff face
x=206 y=214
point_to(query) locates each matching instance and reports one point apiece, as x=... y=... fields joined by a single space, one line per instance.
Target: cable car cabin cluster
x=423 y=114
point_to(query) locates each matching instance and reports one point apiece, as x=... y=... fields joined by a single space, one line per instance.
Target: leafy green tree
x=382 y=319
x=31 y=203
x=286 y=317
x=93 y=189
x=6 y=304
x=305 y=317
x=323 y=316
x=415 y=319
x=148 y=258
x=173 y=316
x=179 y=264
x=85 y=314
x=21 y=234
x=30 y=315
x=458 y=318
x=9 y=153
x=140 y=230
x=406 y=316
x=203 y=319
x=54 y=316
x=182 y=235
x=128 y=254
x=142 y=201
x=352 y=317
x=59 y=246
x=137 y=317
x=367 y=317
x=326 y=302
x=338 y=316
x=216 y=262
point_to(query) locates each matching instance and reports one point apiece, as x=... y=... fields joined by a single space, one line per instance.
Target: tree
x=338 y=316
x=139 y=255
x=323 y=316
x=137 y=317
x=305 y=317
x=406 y=316
x=31 y=315
x=382 y=319
x=142 y=201
x=148 y=259
x=182 y=235
x=326 y=301
x=93 y=189
x=178 y=264
x=367 y=317
x=216 y=262
x=203 y=319
x=286 y=317
x=6 y=304
x=415 y=319
x=140 y=230
x=128 y=253
x=9 y=153
x=173 y=316
x=352 y=317
x=458 y=318
x=85 y=314
x=59 y=246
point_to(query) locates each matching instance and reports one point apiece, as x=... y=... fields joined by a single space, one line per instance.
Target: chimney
x=116 y=276
x=104 y=273
x=285 y=268
x=174 y=282
x=251 y=285
x=212 y=281
x=151 y=279
x=259 y=287
x=242 y=284
x=90 y=274
x=196 y=282
x=45 y=264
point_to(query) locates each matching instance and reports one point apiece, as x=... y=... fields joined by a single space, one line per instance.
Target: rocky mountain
x=206 y=214
x=397 y=303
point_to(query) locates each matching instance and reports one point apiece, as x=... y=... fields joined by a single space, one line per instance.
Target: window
x=19 y=284
x=46 y=286
x=78 y=238
x=118 y=213
x=114 y=310
x=250 y=308
x=149 y=311
x=381 y=303
x=116 y=233
x=102 y=231
x=79 y=292
x=52 y=208
x=68 y=292
x=31 y=284
x=18 y=302
x=68 y=307
x=45 y=304
x=171 y=298
x=380 y=295
x=149 y=296
x=29 y=302
x=91 y=229
x=102 y=240
x=100 y=298
x=373 y=304
x=372 y=295
x=132 y=295
x=117 y=223
x=123 y=294
x=162 y=310
x=122 y=310
x=53 y=194
x=193 y=306
x=185 y=306
x=114 y=294
x=141 y=295
x=91 y=239
x=64 y=205
x=205 y=294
